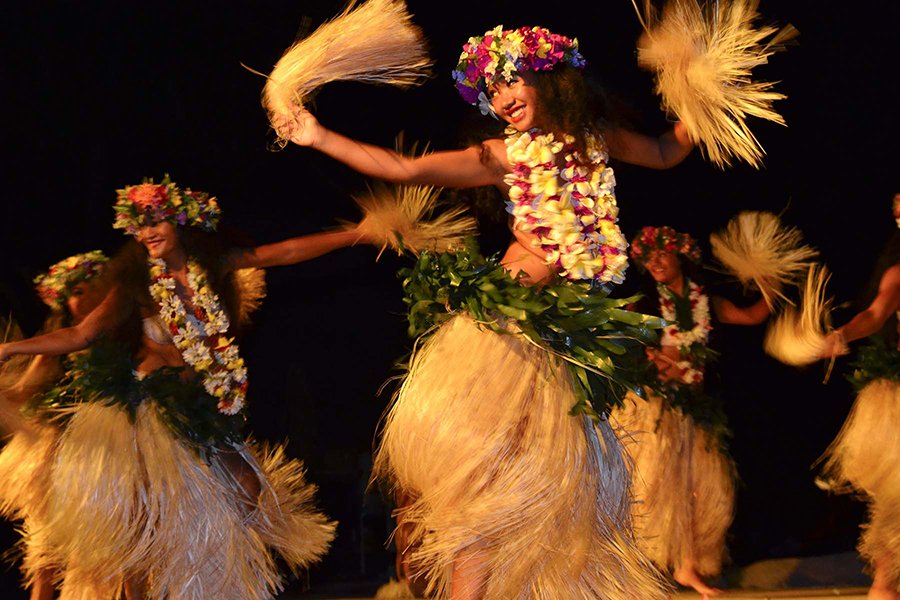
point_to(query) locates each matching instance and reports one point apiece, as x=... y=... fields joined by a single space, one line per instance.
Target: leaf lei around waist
x=876 y=359
x=106 y=374
x=600 y=341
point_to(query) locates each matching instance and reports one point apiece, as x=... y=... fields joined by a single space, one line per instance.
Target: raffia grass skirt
x=24 y=487
x=865 y=456
x=128 y=498
x=684 y=485
x=505 y=479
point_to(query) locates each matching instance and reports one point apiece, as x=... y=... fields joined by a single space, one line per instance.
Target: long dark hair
x=573 y=104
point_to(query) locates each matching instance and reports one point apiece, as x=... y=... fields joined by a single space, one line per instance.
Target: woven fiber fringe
x=399 y=216
x=880 y=541
x=797 y=337
x=684 y=486
x=375 y=42
x=131 y=500
x=865 y=456
x=251 y=285
x=505 y=479
x=25 y=470
x=757 y=248
x=703 y=58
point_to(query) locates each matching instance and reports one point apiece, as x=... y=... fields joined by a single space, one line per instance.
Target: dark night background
x=98 y=95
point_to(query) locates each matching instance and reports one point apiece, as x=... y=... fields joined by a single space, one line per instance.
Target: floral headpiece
x=897 y=208
x=665 y=239
x=148 y=203
x=502 y=53
x=56 y=285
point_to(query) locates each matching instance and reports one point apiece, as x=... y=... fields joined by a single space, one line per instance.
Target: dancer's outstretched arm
x=729 y=312
x=661 y=152
x=293 y=250
x=112 y=311
x=457 y=168
x=869 y=321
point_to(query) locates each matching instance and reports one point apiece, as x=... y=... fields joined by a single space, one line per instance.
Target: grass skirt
x=480 y=435
x=683 y=485
x=866 y=456
x=24 y=487
x=126 y=497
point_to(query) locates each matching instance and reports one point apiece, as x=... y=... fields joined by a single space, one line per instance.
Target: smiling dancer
x=153 y=488
x=71 y=289
x=514 y=497
x=683 y=478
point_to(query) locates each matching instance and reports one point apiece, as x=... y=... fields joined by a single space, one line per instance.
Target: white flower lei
x=571 y=210
x=200 y=337
x=672 y=335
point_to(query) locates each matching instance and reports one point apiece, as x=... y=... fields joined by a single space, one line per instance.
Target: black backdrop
x=98 y=95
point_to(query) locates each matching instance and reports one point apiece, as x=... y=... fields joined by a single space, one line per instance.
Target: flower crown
x=148 y=203
x=664 y=239
x=502 y=53
x=56 y=285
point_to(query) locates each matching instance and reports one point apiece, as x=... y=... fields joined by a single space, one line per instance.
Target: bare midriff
x=153 y=356
x=518 y=259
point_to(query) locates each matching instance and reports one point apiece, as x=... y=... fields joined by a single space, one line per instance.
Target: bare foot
x=687 y=576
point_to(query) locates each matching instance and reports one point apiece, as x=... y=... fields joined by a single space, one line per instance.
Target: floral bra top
x=568 y=203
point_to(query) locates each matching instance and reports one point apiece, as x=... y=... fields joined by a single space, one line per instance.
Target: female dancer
x=865 y=453
x=153 y=489
x=513 y=496
x=684 y=480
x=71 y=289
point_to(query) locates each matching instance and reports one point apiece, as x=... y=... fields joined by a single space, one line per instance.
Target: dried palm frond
x=375 y=42
x=251 y=286
x=797 y=336
x=756 y=247
x=703 y=56
x=397 y=216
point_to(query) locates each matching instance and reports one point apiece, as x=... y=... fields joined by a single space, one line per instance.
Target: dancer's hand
x=834 y=345
x=302 y=128
x=681 y=134
x=5 y=354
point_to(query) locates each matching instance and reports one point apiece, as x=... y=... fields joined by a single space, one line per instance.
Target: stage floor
x=855 y=593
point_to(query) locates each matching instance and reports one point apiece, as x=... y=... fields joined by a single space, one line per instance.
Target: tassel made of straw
x=756 y=247
x=703 y=57
x=399 y=217
x=797 y=336
x=375 y=42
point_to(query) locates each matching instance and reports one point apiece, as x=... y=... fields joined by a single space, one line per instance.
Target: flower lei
x=55 y=286
x=223 y=370
x=148 y=203
x=571 y=210
x=673 y=335
x=502 y=53
x=663 y=239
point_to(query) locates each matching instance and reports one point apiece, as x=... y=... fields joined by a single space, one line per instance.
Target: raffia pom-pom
x=797 y=336
x=400 y=217
x=375 y=42
x=251 y=285
x=758 y=249
x=703 y=57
